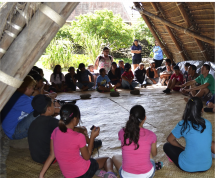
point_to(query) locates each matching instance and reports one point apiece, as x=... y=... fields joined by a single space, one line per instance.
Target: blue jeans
x=126 y=84
x=22 y=127
x=150 y=82
x=81 y=85
x=153 y=163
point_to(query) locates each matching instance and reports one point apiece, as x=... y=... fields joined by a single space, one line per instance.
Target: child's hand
x=95 y=132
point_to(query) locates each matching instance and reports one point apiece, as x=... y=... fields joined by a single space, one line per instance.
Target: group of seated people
x=29 y=113
x=190 y=83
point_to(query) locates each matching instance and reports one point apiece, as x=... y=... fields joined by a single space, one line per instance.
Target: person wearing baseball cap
x=152 y=74
x=175 y=79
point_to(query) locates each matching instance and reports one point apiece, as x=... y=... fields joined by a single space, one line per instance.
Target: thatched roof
x=197 y=17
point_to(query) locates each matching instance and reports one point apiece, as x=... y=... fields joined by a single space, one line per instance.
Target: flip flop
x=100 y=173
x=110 y=175
x=159 y=165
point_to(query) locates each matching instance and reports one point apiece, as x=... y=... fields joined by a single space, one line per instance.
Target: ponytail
x=132 y=129
x=67 y=114
x=62 y=126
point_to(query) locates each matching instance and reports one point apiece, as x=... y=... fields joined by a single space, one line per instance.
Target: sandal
x=100 y=173
x=110 y=175
x=159 y=165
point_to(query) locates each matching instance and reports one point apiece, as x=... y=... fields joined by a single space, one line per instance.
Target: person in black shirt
x=70 y=79
x=40 y=130
x=115 y=75
x=139 y=75
x=152 y=74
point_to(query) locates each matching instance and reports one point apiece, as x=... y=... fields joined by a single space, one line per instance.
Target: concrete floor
x=163 y=112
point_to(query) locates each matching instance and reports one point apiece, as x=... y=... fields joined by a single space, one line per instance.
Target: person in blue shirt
x=158 y=55
x=121 y=66
x=136 y=50
x=102 y=81
x=17 y=114
x=197 y=131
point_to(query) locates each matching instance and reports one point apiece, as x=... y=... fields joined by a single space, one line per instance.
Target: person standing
x=104 y=60
x=136 y=50
x=158 y=55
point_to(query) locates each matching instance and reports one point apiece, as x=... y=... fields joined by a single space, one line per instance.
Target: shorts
x=94 y=166
x=208 y=96
x=136 y=61
x=115 y=82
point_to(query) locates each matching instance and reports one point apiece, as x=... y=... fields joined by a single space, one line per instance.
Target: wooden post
x=213 y=5
x=148 y=23
x=30 y=44
x=186 y=31
x=187 y=20
x=181 y=52
x=184 y=14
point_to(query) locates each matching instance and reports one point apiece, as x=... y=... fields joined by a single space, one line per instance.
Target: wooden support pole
x=187 y=20
x=181 y=52
x=21 y=56
x=148 y=23
x=186 y=31
x=213 y=5
x=184 y=14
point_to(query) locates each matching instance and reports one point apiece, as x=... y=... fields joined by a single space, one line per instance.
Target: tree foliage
x=104 y=24
x=141 y=31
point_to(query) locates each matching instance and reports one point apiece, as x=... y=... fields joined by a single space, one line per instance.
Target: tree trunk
x=30 y=44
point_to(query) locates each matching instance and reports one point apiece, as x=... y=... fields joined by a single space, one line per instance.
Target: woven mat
x=20 y=165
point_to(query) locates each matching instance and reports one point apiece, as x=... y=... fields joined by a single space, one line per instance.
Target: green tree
x=141 y=31
x=104 y=24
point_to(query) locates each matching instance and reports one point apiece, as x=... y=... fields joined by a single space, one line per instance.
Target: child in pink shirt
x=66 y=145
x=138 y=148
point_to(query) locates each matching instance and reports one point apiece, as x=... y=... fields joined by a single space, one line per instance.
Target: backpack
x=100 y=57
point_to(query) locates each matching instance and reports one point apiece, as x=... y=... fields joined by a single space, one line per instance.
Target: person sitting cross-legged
x=70 y=149
x=192 y=75
x=83 y=78
x=207 y=87
x=102 y=81
x=41 y=128
x=140 y=75
x=196 y=156
x=175 y=79
x=165 y=75
x=127 y=78
x=186 y=73
x=71 y=78
x=152 y=74
x=115 y=75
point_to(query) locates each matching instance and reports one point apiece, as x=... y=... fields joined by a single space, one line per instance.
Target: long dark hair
x=67 y=114
x=192 y=113
x=132 y=129
x=55 y=72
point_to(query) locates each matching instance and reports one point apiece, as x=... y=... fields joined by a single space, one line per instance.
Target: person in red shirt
x=127 y=78
x=176 y=79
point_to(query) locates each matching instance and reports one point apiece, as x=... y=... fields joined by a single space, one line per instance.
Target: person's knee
x=166 y=146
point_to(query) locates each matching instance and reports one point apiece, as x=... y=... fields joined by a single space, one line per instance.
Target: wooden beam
x=186 y=31
x=35 y=37
x=213 y=5
x=181 y=52
x=187 y=20
x=184 y=14
x=155 y=8
x=148 y=23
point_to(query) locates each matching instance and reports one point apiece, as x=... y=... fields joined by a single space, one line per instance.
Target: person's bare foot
x=186 y=99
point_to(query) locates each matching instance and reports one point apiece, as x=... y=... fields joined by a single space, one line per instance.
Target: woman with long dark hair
x=138 y=147
x=197 y=131
x=58 y=80
x=67 y=144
